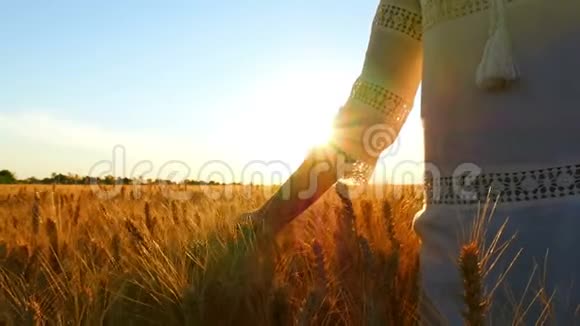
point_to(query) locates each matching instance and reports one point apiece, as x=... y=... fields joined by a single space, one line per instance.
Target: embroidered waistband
x=555 y=182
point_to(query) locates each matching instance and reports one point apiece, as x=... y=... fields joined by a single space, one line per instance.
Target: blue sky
x=175 y=80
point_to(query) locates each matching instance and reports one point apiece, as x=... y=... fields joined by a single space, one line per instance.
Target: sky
x=180 y=89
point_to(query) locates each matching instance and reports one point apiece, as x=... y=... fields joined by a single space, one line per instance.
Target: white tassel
x=497 y=68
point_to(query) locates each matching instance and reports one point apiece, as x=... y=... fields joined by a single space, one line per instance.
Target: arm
x=370 y=120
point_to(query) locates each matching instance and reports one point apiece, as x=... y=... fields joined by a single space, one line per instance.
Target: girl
x=500 y=110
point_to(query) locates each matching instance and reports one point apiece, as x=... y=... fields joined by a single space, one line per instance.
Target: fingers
x=247 y=218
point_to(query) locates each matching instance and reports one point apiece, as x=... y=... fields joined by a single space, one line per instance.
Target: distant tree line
x=9 y=177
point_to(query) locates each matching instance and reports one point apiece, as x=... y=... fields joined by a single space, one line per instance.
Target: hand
x=254 y=219
x=248 y=217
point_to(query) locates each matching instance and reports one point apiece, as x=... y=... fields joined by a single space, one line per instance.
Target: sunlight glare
x=294 y=112
x=289 y=112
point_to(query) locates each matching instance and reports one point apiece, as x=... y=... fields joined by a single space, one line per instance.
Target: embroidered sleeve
x=382 y=96
x=436 y=11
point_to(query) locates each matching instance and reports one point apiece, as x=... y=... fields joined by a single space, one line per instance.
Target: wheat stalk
x=36 y=214
x=472 y=274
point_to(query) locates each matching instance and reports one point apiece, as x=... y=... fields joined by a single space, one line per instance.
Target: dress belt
x=508 y=187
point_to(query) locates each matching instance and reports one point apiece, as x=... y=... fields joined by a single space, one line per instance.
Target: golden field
x=70 y=258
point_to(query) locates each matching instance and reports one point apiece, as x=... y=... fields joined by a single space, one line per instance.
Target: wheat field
x=70 y=258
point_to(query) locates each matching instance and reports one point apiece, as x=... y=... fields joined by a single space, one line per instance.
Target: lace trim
x=438 y=11
x=399 y=19
x=512 y=187
x=394 y=107
x=394 y=110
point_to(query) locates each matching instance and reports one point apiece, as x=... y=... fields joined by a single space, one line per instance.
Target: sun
x=292 y=111
x=283 y=117
x=315 y=132
x=292 y=136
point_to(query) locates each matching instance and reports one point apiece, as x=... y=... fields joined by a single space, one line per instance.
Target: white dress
x=523 y=143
